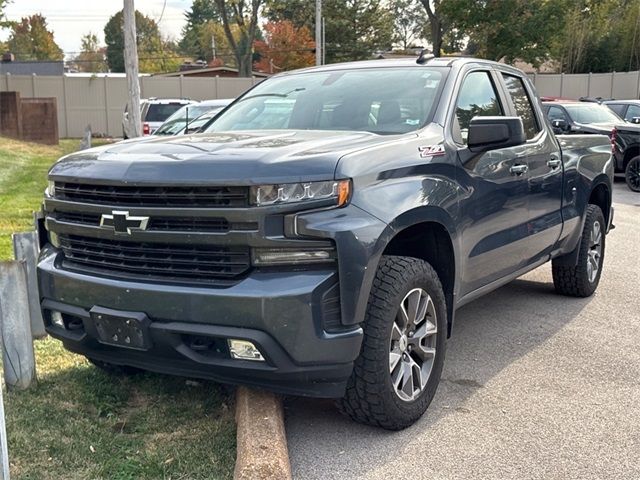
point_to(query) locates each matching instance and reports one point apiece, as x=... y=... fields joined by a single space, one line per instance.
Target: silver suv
x=153 y=112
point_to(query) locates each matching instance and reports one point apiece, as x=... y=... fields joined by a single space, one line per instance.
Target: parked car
x=578 y=117
x=319 y=239
x=176 y=123
x=153 y=113
x=629 y=110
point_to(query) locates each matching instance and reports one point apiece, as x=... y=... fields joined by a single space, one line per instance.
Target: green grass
x=81 y=423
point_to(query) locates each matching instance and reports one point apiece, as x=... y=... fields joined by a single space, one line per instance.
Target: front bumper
x=280 y=312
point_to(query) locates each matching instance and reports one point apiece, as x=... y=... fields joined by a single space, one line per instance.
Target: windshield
x=178 y=120
x=380 y=100
x=581 y=113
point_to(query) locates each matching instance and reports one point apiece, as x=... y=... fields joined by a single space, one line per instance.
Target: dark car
x=629 y=110
x=570 y=117
x=320 y=236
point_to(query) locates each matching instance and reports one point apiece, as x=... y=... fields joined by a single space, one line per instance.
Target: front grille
x=188 y=197
x=190 y=224
x=155 y=260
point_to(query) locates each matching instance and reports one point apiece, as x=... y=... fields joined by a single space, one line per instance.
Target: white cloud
x=70 y=19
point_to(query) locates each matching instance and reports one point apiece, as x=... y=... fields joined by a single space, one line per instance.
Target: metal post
x=106 y=104
x=131 y=68
x=4 y=451
x=25 y=249
x=613 y=78
x=17 y=345
x=318 y=32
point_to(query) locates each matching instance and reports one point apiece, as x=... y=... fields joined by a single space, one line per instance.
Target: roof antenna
x=424 y=57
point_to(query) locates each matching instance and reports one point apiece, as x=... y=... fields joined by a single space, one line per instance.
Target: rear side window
x=477 y=98
x=159 y=112
x=616 y=107
x=556 y=113
x=522 y=104
x=632 y=112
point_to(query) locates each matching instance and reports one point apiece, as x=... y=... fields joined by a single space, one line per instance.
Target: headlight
x=301 y=192
x=51 y=188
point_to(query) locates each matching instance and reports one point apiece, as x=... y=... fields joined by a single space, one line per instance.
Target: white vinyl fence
x=100 y=101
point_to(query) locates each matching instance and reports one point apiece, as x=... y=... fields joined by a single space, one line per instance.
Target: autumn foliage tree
x=285 y=47
x=30 y=39
x=92 y=55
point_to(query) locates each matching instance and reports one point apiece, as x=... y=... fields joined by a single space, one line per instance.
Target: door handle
x=553 y=162
x=518 y=169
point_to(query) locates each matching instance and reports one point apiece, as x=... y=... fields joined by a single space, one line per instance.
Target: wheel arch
x=406 y=236
x=630 y=153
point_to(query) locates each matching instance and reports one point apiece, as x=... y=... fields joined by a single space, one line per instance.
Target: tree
x=92 y=56
x=437 y=23
x=599 y=36
x=408 y=22
x=201 y=15
x=508 y=29
x=243 y=15
x=355 y=29
x=285 y=47
x=30 y=39
x=155 y=53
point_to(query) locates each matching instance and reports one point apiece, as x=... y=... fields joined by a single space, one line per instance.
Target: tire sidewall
x=627 y=173
x=415 y=408
x=595 y=214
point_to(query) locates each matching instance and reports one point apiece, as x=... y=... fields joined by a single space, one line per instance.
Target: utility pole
x=131 y=68
x=318 y=32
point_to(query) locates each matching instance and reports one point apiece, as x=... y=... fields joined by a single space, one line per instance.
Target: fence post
x=561 y=83
x=215 y=84
x=106 y=105
x=613 y=77
x=589 y=84
x=17 y=345
x=66 y=105
x=33 y=85
x=638 y=85
x=25 y=248
x=181 y=86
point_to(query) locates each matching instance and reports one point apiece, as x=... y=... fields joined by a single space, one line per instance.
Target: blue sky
x=70 y=19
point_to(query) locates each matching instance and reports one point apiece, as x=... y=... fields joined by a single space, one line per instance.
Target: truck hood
x=232 y=158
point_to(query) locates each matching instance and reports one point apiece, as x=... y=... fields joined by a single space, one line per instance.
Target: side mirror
x=635 y=120
x=559 y=124
x=492 y=133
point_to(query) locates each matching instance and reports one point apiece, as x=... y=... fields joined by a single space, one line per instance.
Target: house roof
x=210 y=70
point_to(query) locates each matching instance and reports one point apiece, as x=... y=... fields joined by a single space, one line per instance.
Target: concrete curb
x=261 y=441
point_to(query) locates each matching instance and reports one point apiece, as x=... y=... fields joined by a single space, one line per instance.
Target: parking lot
x=535 y=385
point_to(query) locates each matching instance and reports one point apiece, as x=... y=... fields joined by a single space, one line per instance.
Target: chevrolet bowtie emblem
x=122 y=223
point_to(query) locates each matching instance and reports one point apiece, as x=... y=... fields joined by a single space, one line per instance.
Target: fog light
x=244 y=350
x=56 y=319
x=285 y=256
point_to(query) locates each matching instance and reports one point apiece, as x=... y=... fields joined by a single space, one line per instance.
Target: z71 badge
x=431 y=151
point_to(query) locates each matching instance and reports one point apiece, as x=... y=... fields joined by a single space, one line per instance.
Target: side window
x=632 y=112
x=522 y=104
x=477 y=98
x=617 y=107
x=556 y=113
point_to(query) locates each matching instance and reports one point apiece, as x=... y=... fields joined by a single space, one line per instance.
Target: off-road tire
x=573 y=280
x=632 y=174
x=370 y=397
x=113 y=369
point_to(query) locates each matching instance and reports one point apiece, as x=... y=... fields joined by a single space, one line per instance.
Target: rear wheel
x=399 y=367
x=582 y=279
x=632 y=174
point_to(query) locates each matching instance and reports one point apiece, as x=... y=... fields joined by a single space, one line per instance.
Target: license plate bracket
x=121 y=329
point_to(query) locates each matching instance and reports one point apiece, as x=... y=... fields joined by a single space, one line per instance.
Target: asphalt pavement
x=535 y=386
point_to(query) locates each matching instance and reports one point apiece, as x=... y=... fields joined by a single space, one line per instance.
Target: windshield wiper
x=280 y=95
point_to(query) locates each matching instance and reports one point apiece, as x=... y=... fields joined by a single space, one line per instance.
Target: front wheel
x=632 y=174
x=397 y=373
x=582 y=279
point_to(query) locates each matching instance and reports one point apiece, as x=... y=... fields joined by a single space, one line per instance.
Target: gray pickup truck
x=318 y=238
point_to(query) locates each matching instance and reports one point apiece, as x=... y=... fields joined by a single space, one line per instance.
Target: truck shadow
x=489 y=335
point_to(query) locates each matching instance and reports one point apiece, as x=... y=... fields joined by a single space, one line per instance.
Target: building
x=11 y=66
x=200 y=69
